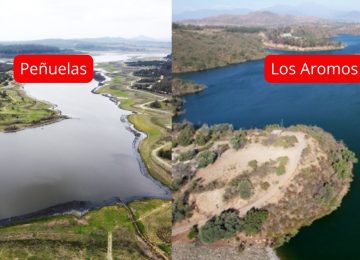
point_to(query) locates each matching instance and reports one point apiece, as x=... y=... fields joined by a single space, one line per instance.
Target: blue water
x=238 y=94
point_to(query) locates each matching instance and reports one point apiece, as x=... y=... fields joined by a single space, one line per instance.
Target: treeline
x=228 y=223
x=303 y=37
x=155 y=77
x=201 y=48
x=4 y=76
x=14 y=49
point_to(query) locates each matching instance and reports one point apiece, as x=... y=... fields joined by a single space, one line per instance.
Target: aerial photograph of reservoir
x=85 y=167
x=261 y=170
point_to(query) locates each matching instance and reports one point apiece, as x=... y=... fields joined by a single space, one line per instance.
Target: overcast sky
x=187 y=5
x=39 y=19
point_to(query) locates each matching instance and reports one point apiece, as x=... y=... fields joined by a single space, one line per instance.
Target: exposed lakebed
x=90 y=157
x=238 y=94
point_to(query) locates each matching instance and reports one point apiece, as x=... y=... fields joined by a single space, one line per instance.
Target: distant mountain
x=303 y=9
x=14 y=49
x=99 y=44
x=204 y=13
x=316 y=10
x=258 y=18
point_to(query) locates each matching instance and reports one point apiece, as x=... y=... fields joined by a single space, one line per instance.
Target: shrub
x=245 y=189
x=201 y=139
x=240 y=185
x=155 y=104
x=253 y=221
x=265 y=185
x=238 y=141
x=253 y=164
x=166 y=154
x=206 y=158
x=280 y=170
x=342 y=161
x=181 y=207
x=194 y=232
x=188 y=155
x=185 y=136
x=222 y=128
x=223 y=226
x=202 y=135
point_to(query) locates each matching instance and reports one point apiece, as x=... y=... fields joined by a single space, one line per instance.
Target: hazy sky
x=39 y=19
x=186 y=5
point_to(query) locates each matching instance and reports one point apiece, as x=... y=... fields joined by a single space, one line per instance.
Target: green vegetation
x=69 y=237
x=301 y=36
x=155 y=122
x=228 y=223
x=317 y=189
x=182 y=87
x=342 y=161
x=223 y=226
x=280 y=169
x=203 y=135
x=188 y=155
x=253 y=221
x=14 y=49
x=253 y=164
x=239 y=140
x=201 y=48
x=194 y=232
x=181 y=207
x=155 y=218
x=18 y=111
x=240 y=185
x=185 y=136
x=205 y=158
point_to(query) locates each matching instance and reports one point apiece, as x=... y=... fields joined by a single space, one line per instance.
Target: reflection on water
x=89 y=157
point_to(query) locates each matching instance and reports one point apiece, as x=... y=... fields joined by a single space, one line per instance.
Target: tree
x=223 y=226
x=203 y=135
x=206 y=158
x=155 y=104
x=185 y=136
x=239 y=140
x=253 y=221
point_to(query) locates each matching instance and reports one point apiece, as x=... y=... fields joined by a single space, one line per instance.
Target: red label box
x=312 y=68
x=53 y=68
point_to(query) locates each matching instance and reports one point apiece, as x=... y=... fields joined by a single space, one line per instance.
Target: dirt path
x=158 y=159
x=158 y=252
x=274 y=193
x=109 y=246
x=152 y=212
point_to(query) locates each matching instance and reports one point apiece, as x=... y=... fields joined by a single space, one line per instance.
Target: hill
x=198 y=48
x=264 y=184
x=253 y=19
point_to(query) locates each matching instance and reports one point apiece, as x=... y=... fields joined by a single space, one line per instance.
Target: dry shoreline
x=284 y=47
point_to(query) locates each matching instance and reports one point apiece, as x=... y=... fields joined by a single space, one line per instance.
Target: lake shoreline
x=79 y=208
x=139 y=136
x=285 y=47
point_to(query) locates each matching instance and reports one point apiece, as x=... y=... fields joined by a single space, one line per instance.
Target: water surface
x=90 y=157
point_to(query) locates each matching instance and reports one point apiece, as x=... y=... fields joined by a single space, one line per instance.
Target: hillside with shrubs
x=256 y=186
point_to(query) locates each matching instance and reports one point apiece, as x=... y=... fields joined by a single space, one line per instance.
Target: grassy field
x=69 y=237
x=154 y=122
x=18 y=111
